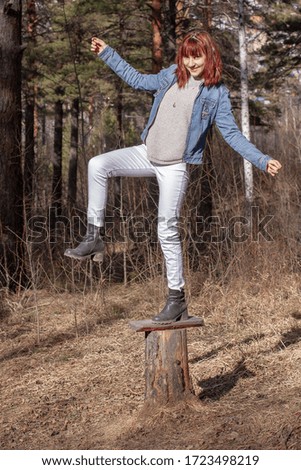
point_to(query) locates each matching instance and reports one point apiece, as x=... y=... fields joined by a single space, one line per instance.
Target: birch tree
x=245 y=117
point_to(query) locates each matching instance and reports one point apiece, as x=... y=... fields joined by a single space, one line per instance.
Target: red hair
x=196 y=44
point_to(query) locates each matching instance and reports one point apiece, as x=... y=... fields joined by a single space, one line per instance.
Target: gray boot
x=92 y=246
x=175 y=308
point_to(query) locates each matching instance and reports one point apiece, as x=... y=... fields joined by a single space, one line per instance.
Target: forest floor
x=72 y=371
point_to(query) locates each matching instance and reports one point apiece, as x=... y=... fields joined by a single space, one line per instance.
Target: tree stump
x=166 y=360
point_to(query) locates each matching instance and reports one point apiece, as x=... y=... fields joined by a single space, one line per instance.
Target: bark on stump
x=167 y=377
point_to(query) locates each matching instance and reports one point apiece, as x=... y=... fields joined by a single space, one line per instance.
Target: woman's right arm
x=137 y=80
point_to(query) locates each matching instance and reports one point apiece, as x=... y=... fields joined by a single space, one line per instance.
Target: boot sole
x=182 y=316
x=97 y=257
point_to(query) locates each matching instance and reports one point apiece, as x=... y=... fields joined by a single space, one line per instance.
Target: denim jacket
x=212 y=105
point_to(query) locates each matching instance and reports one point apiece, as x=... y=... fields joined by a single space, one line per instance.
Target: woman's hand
x=273 y=167
x=97 y=45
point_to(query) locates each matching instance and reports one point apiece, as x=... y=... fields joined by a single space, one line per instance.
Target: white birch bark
x=245 y=119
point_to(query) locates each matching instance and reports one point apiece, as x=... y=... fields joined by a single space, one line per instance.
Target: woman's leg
x=131 y=161
x=173 y=181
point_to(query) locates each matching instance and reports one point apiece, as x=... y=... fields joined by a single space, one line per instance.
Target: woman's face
x=195 y=65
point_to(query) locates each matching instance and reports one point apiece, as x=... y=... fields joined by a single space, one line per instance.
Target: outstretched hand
x=97 y=45
x=273 y=167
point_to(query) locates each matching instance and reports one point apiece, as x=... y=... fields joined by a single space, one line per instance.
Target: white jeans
x=172 y=181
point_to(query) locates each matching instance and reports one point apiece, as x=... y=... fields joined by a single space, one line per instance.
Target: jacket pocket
x=208 y=108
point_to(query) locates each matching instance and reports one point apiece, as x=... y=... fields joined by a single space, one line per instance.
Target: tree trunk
x=207 y=15
x=30 y=113
x=245 y=119
x=182 y=11
x=167 y=372
x=179 y=19
x=57 y=158
x=157 y=36
x=11 y=181
x=56 y=202
x=120 y=122
x=72 y=175
x=29 y=152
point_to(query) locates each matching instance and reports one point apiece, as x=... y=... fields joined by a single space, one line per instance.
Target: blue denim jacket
x=212 y=104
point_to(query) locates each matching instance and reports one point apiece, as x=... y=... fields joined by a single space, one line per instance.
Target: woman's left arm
x=226 y=123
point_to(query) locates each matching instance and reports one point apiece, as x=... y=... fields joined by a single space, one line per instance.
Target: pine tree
x=29 y=91
x=282 y=49
x=11 y=182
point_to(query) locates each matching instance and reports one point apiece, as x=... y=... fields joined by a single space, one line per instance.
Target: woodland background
x=60 y=106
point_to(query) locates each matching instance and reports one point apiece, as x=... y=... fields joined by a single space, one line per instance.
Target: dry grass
x=79 y=383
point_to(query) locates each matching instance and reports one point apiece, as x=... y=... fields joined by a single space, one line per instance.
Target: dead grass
x=78 y=382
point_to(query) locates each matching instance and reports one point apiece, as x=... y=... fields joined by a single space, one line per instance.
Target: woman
x=188 y=98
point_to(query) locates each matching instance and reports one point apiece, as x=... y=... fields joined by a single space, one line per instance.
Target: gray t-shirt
x=166 y=139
